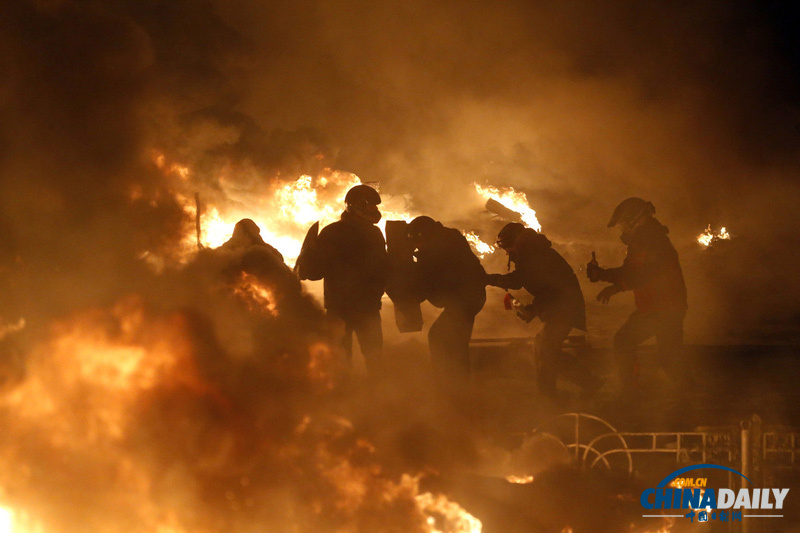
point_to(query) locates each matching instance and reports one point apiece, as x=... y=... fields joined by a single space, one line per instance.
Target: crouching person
x=558 y=302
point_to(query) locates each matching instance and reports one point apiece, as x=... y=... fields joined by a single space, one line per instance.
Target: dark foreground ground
x=500 y=425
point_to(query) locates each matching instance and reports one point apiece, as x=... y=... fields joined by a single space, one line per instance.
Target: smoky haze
x=693 y=106
x=579 y=104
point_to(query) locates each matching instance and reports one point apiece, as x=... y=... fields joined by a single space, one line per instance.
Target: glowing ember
x=444 y=516
x=256 y=295
x=520 y=480
x=709 y=237
x=514 y=200
x=480 y=247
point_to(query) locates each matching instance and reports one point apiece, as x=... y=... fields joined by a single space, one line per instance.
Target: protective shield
x=402 y=287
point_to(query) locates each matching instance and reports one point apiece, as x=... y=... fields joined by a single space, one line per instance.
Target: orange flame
x=284 y=210
x=515 y=200
x=709 y=237
x=256 y=295
x=520 y=480
x=445 y=516
x=481 y=248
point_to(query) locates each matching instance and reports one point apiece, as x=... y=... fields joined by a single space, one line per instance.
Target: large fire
x=205 y=416
x=283 y=212
x=285 y=209
x=125 y=421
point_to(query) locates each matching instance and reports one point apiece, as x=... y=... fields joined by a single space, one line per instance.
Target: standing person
x=350 y=255
x=652 y=271
x=558 y=302
x=451 y=277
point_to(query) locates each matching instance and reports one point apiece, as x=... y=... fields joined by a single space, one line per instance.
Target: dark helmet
x=631 y=210
x=509 y=234
x=361 y=195
x=362 y=201
x=420 y=226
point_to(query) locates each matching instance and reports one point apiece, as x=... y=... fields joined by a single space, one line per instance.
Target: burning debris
x=513 y=205
x=481 y=248
x=710 y=238
x=151 y=416
x=444 y=516
x=520 y=480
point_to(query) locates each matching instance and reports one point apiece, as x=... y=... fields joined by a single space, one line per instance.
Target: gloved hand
x=605 y=295
x=594 y=272
x=494 y=280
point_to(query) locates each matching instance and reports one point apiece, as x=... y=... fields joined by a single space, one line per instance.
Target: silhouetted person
x=449 y=276
x=652 y=271
x=558 y=302
x=256 y=256
x=351 y=256
x=246 y=233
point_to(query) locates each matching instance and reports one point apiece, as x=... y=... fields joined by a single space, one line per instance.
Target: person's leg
x=370 y=340
x=463 y=323
x=565 y=363
x=637 y=329
x=341 y=332
x=547 y=351
x=669 y=336
x=448 y=339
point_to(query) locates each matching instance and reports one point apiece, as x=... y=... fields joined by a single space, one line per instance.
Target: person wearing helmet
x=558 y=302
x=351 y=258
x=246 y=233
x=651 y=269
x=450 y=277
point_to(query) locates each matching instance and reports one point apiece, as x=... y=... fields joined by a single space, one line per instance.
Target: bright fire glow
x=709 y=237
x=481 y=248
x=444 y=516
x=520 y=480
x=284 y=210
x=256 y=295
x=6 y=520
x=12 y=521
x=106 y=379
x=515 y=200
